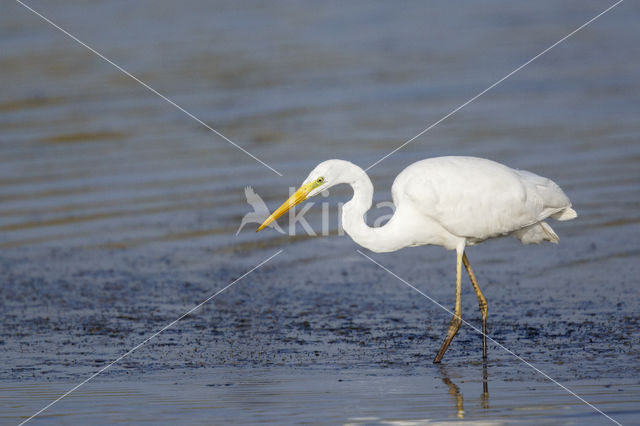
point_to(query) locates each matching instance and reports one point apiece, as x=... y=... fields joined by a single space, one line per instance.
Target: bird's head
x=322 y=177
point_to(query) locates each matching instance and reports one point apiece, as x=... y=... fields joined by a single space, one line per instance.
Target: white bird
x=453 y=202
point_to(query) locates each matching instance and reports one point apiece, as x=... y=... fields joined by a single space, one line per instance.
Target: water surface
x=118 y=213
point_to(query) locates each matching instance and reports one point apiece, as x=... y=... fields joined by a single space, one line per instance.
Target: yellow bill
x=299 y=196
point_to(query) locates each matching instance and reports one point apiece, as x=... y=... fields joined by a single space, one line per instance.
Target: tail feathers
x=549 y=234
x=537 y=233
x=565 y=214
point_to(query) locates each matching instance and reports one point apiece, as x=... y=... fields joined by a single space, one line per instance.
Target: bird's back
x=475 y=198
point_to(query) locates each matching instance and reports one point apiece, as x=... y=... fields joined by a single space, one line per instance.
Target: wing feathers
x=566 y=214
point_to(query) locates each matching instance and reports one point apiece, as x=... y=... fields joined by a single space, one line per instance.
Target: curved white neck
x=381 y=239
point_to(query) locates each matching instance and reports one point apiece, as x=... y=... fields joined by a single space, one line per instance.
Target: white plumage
x=450 y=201
x=453 y=202
x=478 y=199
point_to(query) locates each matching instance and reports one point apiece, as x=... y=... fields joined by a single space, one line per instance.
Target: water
x=118 y=213
x=426 y=396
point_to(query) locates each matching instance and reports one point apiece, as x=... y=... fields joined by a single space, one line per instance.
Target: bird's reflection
x=454 y=390
x=484 y=398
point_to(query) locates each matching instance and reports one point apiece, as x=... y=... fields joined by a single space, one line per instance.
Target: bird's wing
x=543 y=194
x=476 y=198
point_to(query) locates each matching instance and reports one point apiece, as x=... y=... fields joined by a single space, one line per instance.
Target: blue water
x=118 y=212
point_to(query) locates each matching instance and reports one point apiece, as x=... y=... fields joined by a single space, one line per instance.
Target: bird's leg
x=454 y=325
x=482 y=301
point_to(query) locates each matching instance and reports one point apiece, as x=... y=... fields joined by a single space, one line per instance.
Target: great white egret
x=452 y=202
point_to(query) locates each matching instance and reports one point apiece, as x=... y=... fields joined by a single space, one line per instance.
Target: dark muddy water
x=118 y=213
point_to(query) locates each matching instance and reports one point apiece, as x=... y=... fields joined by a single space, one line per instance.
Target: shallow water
x=118 y=213
x=425 y=396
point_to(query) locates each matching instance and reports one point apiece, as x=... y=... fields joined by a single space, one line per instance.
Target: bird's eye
x=320 y=180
